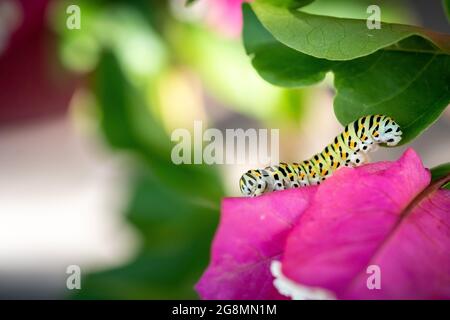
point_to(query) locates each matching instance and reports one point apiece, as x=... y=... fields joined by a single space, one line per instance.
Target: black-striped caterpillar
x=347 y=149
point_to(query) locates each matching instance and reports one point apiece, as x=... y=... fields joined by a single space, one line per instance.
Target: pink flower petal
x=251 y=234
x=226 y=16
x=415 y=259
x=356 y=220
x=33 y=83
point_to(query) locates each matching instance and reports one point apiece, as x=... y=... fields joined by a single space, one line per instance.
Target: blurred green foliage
x=446 y=5
x=175 y=208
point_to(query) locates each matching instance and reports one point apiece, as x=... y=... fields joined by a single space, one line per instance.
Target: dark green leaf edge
x=439 y=172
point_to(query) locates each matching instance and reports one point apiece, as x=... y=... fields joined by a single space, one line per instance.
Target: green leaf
x=446 y=4
x=413 y=88
x=410 y=83
x=441 y=171
x=291 y=4
x=276 y=62
x=335 y=38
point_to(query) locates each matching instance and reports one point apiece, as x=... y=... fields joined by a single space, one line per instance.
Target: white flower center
x=294 y=290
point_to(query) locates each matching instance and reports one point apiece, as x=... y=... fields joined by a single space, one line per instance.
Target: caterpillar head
x=247 y=184
x=390 y=132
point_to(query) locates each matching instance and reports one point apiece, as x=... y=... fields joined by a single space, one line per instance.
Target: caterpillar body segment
x=349 y=149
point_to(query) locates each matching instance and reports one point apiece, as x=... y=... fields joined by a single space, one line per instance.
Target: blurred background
x=85 y=122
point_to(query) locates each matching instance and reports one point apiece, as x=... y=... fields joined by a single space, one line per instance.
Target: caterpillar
x=347 y=149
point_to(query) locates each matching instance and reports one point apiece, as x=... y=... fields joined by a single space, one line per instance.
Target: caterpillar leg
x=261 y=187
x=292 y=183
x=368 y=146
x=374 y=147
x=357 y=158
x=290 y=177
x=311 y=172
x=323 y=165
x=392 y=138
x=366 y=158
x=352 y=158
x=279 y=185
x=301 y=174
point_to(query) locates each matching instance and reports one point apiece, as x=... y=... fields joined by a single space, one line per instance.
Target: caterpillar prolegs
x=347 y=149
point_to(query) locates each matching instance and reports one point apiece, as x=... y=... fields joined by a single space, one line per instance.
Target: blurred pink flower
x=226 y=16
x=32 y=82
x=384 y=214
